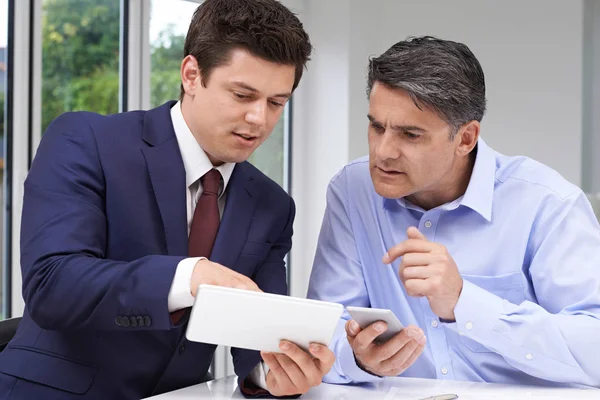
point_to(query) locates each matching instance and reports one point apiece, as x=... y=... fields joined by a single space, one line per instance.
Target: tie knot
x=211 y=182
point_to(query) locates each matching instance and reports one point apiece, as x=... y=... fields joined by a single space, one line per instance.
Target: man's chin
x=235 y=157
x=389 y=191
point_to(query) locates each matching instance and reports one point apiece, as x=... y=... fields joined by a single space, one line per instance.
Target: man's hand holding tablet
x=294 y=371
x=291 y=333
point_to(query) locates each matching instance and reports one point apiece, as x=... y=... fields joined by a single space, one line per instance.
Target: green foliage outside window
x=166 y=56
x=80 y=57
x=80 y=69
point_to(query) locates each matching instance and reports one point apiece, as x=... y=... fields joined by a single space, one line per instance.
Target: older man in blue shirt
x=491 y=262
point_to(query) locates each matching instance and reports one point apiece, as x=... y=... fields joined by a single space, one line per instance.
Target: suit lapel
x=237 y=217
x=167 y=174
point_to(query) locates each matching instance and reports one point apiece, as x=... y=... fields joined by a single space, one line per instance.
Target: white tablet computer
x=258 y=321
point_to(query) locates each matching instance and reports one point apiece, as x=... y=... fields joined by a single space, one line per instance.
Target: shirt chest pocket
x=509 y=287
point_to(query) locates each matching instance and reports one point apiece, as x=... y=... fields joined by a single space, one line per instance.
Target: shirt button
x=427 y=224
x=434 y=323
x=469 y=325
x=444 y=370
x=528 y=356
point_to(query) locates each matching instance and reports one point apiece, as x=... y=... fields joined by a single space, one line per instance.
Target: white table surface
x=390 y=389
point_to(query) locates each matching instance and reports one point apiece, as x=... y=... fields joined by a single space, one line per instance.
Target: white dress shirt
x=196 y=164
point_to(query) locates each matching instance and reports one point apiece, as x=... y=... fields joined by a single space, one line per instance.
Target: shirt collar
x=195 y=160
x=480 y=191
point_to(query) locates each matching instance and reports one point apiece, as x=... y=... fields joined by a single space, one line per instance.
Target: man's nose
x=387 y=148
x=257 y=115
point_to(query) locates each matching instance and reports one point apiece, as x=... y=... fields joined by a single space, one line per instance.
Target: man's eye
x=378 y=128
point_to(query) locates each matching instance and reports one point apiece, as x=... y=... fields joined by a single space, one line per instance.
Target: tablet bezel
x=258 y=321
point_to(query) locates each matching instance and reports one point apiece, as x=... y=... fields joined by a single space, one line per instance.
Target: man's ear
x=190 y=75
x=468 y=134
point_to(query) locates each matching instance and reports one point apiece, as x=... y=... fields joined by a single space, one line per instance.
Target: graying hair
x=441 y=75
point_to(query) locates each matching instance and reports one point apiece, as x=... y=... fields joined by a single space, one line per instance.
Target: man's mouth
x=246 y=136
x=389 y=171
x=246 y=139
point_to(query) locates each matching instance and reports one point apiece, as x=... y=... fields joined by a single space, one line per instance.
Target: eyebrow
x=401 y=128
x=251 y=89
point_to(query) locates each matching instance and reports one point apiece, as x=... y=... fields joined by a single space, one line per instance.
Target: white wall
x=531 y=53
x=320 y=117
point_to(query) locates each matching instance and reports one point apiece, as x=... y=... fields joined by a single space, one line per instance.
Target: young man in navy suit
x=125 y=215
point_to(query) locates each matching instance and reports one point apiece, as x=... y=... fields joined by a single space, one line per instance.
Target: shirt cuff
x=180 y=295
x=349 y=367
x=258 y=375
x=255 y=385
x=478 y=322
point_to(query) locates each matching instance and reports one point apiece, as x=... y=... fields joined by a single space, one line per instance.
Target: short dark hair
x=264 y=28
x=441 y=75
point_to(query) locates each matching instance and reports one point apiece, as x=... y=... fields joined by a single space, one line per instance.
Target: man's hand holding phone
x=383 y=358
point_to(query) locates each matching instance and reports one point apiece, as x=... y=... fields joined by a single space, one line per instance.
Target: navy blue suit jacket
x=104 y=226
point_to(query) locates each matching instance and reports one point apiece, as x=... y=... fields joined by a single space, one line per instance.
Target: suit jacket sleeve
x=270 y=277
x=67 y=281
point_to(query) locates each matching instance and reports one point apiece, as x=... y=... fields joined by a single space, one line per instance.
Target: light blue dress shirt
x=527 y=245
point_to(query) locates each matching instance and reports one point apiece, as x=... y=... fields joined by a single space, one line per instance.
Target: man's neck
x=184 y=104
x=455 y=185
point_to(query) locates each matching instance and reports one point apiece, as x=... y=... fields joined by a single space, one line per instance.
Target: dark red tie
x=205 y=222
x=206 y=216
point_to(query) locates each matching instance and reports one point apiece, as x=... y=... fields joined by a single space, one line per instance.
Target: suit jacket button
x=147 y=320
x=118 y=320
x=125 y=322
x=133 y=321
x=140 y=321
